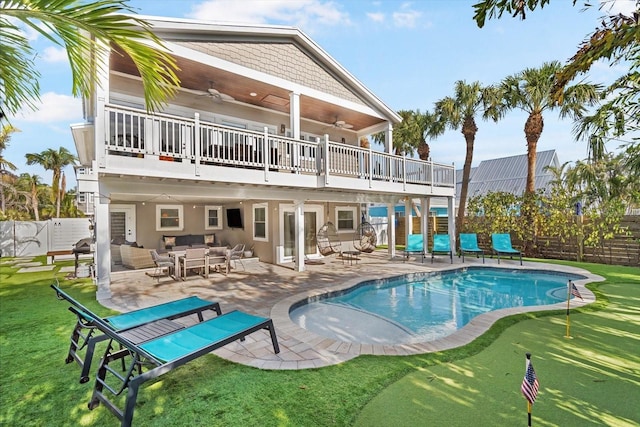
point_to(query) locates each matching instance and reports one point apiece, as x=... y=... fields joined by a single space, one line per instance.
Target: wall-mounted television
x=234 y=218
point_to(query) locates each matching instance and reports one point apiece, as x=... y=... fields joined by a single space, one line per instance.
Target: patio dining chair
x=164 y=266
x=235 y=254
x=194 y=259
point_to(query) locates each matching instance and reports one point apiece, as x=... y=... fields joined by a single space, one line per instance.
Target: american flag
x=574 y=290
x=530 y=383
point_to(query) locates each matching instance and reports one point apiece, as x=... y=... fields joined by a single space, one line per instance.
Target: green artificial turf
x=591 y=379
x=38 y=389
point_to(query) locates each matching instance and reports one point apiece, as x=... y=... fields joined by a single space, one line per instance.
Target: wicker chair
x=328 y=240
x=365 y=238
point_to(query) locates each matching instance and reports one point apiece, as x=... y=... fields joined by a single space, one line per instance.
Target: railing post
x=196 y=137
x=326 y=159
x=266 y=156
x=370 y=167
x=432 y=176
x=404 y=173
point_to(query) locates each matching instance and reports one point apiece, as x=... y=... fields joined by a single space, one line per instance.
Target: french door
x=312 y=221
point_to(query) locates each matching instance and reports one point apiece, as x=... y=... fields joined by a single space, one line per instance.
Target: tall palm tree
x=459 y=112
x=5 y=165
x=67 y=23
x=531 y=91
x=54 y=161
x=32 y=187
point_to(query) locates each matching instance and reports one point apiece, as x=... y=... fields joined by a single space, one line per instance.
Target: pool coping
x=477 y=326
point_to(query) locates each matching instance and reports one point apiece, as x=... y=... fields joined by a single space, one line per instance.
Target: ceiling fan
x=341 y=124
x=216 y=95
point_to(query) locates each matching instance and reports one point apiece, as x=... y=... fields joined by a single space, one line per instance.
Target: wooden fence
x=622 y=249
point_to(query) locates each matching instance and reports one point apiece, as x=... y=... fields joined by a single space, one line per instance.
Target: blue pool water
x=426 y=306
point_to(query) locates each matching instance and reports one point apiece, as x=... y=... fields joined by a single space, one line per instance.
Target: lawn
x=593 y=378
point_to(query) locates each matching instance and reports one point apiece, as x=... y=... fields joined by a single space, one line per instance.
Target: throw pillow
x=169 y=241
x=209 y=239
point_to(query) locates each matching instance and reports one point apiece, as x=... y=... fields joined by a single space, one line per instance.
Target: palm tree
x=67 y=23
x=5 y=165
x=408 y=135
x=32 y=188
x=459 y=112
x=54 y=161
x=531 y=91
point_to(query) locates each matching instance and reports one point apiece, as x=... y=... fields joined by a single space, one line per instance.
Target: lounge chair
x=161 y=347
x=441 y=246
x=469 y=245
x=501 y=245
x=415 y=245
x=84 y=332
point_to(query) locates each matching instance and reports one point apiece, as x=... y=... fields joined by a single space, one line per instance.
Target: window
x=260 y=222
x=346 y=219
x=213 y=217
x=169 y=217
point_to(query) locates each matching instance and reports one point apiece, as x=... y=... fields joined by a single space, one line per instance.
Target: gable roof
x=278 y=60
x=508 y=174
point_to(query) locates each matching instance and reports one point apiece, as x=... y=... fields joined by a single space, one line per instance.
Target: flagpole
x=568 y=335
x=528 y=402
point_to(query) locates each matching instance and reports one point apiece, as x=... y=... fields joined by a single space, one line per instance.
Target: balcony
x=138 y=143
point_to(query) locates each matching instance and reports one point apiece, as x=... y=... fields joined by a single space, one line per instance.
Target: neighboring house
x=508 y=175
x=266 y=124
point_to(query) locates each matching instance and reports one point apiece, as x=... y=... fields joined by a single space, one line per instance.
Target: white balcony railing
x=135 y=133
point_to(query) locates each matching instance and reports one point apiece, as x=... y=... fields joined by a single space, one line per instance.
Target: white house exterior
x=280 y=144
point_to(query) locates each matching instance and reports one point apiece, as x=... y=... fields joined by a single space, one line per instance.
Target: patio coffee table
x=350 y=256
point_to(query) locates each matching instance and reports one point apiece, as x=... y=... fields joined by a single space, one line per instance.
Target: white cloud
x=614 y=7
x=299 y=13
x=54 y=107
x=54 y=54
x=377 y=17
x=406 y=17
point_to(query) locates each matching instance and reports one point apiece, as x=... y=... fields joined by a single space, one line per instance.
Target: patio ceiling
x=196 y=77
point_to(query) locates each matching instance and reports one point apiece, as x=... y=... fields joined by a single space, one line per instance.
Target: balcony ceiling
x=196 y=76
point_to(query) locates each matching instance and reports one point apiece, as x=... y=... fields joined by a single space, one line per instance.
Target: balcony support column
x=103 y=248
x=425 y=208
x=294 y=124
x=391 y=230
x=327 y=160
x=451 y=221
x=196 y=143
x=299 y=236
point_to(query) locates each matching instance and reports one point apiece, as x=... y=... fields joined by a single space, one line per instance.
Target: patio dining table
x=220 y=262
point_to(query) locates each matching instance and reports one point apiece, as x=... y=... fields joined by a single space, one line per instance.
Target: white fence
x=33 y=238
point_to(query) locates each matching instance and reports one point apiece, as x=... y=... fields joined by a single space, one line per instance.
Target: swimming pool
x=422 y=307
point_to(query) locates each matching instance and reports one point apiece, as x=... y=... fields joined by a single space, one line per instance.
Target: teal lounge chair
x=469 y=244
x=86 y=335
x=501 y=245
x=441 y=245
x=415 y=245
x=153 y=349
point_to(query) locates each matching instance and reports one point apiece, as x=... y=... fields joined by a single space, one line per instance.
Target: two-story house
x=260 y=146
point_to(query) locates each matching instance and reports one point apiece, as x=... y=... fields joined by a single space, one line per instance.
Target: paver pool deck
x=270 y=290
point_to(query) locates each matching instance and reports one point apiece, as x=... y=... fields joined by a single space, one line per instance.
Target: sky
x=410 y=54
